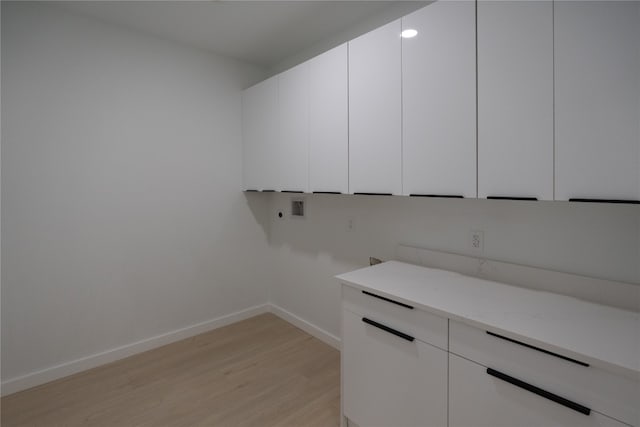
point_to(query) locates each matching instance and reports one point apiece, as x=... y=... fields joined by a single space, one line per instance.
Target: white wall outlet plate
x=351 y=223
x=476 y=240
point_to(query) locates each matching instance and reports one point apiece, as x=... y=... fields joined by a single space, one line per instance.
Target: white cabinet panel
x=292 y=147
x=597 y=66
x=424 y=326
x=375 y=151
x=605 y=392
x=512 y=368
x=388 y=381
x=439 y=100
x=259 y=134
x=515 y=99
x=329 y=122
x=477 y=399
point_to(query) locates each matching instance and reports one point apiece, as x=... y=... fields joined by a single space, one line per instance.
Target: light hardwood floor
x=261 y=371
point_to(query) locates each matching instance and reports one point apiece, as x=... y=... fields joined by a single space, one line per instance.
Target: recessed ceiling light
x=407 y=34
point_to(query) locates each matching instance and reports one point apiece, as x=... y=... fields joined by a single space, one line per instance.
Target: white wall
x=386 y=14
x=0 y=183
x=590 y=239
x=122 y=215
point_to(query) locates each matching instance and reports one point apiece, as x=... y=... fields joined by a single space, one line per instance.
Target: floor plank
x=261 y=371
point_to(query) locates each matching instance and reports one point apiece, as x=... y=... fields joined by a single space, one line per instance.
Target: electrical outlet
x=351 y=223
x=477 y=240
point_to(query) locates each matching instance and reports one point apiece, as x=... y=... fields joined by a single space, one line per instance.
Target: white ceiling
x=260 y=32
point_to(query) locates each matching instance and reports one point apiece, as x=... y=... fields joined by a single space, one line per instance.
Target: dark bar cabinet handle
x=511 y=198
x=401 y=304
x=568 y=359
x=388 y=329
x=540 y=392
x=632 y=202
x=443 y=196
x=327 y=192
x=373 y=194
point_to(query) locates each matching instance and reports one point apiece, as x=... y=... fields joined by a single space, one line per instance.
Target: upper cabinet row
x=295 y=128
x=528 y=99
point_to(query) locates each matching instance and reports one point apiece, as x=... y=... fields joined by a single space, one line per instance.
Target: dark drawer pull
x=443 y=196
x=538 y=349
x=251 y=190
x=291 y=191
x=268 y=191
x=388 y=329
x=401 y=304
x=511 y=198
x=540 y=392
x=327 y=192
x=633 y=202
x=373 y=194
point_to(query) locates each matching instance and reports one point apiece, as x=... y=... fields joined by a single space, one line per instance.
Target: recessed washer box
x=297 y=208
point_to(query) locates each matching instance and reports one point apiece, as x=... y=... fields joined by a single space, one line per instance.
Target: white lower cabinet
x=423 y=347
x=478 y=399
x=403 y=366
x=592 y=387
x=389 y=380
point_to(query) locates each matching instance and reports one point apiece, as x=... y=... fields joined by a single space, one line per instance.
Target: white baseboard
x=309 y=328
x=43 y=376
x=55 y=372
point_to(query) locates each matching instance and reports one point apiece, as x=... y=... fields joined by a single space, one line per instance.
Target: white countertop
x=600 y=335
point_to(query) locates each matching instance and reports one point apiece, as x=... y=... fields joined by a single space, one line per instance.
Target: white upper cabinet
x=597 y=66
x=515 y=99
x=292 y=147
x=260 y=133
x=439 y=100
x=329 y=122
x=375 y=147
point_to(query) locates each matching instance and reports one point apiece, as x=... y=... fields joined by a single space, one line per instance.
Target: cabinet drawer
x=420 y=324
x=390 y=381
x=477 y=399
x=601 y=391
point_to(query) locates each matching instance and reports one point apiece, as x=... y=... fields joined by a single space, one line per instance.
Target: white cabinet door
x=292 y=152
x=515 y=99
x=477 y=399
x=329 y=122
x=389 y=381
x=439 y=100
x=375 y=149
x=259 y=135
x=597 y=66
